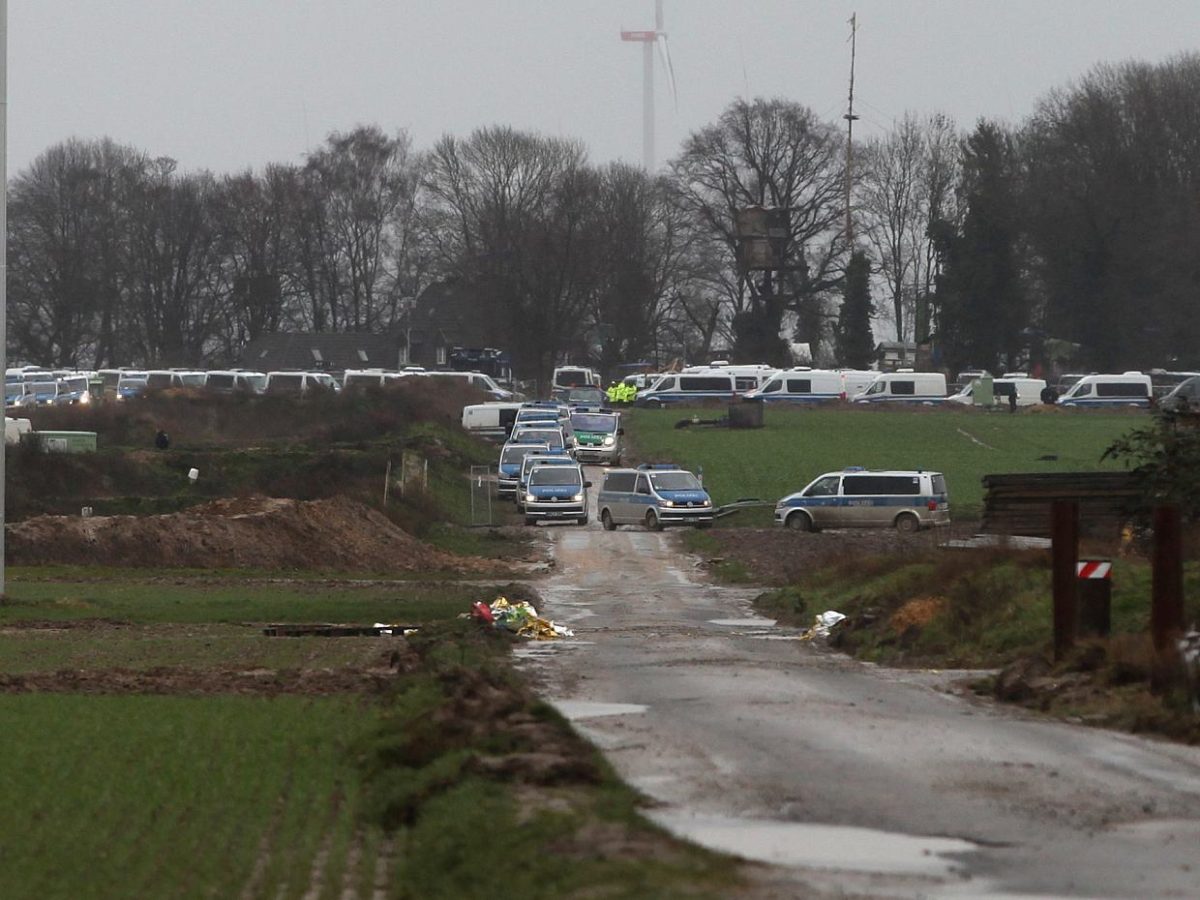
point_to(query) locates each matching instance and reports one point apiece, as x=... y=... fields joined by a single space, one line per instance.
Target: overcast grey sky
x=230 y=84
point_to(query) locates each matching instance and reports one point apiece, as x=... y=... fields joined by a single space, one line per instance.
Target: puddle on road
x=586 y=709
x=744 y=623
x=837 y=847
x=545 y=648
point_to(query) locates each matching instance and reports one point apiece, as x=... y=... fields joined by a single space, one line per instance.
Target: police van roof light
x=855 y=469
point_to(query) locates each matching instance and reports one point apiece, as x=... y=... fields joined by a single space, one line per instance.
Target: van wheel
x=607 y=522
x=530 y=520
x=652 y=521
x=653 y=404
x=799 y=521
x=907 y=523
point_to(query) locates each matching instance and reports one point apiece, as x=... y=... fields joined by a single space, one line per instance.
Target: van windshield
x=513 y=455
x=877 y=388
x=675 y=481
x=555 y=475
x=553 y=438
x=592 y=422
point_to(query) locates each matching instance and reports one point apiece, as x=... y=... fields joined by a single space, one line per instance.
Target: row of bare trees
x=1076 y=226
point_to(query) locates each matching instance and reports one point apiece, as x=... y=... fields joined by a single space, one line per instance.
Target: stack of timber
x=1020 y=504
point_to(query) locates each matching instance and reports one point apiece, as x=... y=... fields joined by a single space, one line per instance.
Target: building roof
x=323 y=352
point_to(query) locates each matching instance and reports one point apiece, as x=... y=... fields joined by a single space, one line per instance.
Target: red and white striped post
x=1094 y=592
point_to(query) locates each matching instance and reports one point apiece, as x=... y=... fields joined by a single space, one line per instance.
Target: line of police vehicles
x=805 y=385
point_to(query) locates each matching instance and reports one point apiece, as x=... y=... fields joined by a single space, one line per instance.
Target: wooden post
x=1166 y=599
x=1064 y=535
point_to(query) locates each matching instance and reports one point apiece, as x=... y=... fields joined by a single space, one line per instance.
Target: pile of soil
x=333 y=535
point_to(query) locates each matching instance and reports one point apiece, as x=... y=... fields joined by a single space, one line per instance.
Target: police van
x=1101 y=391
x=537 y=458
x=597 y=436
x=801 y=385
x=555 y=492
x=543 y=433
x=508 y=469
x=1028 y=391
x=654 y=496
x=860 y=498
x=905 y=386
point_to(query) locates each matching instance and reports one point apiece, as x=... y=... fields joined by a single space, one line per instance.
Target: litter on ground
x=823 y=625
x=519 y=618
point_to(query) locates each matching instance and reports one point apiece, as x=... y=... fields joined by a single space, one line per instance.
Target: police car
x=859 y=498
x=654 y=496
x=508 y=470
x=556 y=492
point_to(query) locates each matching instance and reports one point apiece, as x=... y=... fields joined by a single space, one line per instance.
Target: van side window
x=772 y=386
x=799 y=385
x=824 y=487
x=643 y=485
x=703 y=383
x=1121 y=389
x=620 y=481
x=889 y=485
x=743 y=384
x=667 y=384
x=907 y=388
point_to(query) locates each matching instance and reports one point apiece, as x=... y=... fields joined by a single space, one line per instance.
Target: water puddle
x=776 y=637
x=586 y=709
x=744 y=623
x=542 y=649
x=838 y=847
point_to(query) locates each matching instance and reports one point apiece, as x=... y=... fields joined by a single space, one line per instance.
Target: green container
x=66 y=441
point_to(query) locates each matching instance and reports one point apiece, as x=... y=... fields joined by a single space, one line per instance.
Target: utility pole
x=3 y=251
x=850 y=118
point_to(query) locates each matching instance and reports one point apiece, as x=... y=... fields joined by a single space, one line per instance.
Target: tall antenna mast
x=850 y=118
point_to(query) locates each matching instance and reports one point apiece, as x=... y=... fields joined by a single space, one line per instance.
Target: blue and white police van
x=555 y=492
x=654 y=495
x=537 y=458
x=508 y=469
x=1106 y=391
x=862 y=498
x=904 y=386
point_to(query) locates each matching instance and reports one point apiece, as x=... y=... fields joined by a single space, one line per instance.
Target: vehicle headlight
x=529 y=498
x=706 y=503
x=577 y=498
x=85 y=397
x=668 y=503
x=608 y=441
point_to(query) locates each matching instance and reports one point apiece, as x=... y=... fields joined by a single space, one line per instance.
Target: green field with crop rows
x=796 y=445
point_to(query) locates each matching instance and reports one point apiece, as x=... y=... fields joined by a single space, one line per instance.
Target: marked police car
x=537 y=457
x=508 y=470
x=597 y=436
x=556 y=492
x=859 y=498
x=654 y=496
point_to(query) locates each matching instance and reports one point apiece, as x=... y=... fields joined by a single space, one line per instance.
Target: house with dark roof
x=324 y=352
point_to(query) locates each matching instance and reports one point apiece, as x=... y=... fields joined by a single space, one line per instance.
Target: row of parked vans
x=806 y=385
x=29 y=386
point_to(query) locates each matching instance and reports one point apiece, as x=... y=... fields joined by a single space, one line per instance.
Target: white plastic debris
x=823 y=625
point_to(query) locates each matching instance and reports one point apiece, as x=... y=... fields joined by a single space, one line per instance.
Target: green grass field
x=799 y=444
x=157 y=744
x=139 y=796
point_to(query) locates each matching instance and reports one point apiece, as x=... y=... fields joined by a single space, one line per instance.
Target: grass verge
x=157 y=744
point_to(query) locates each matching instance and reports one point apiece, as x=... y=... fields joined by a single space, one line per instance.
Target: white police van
x=801 y=385
x=654 y=495
x=556 y=492
x=905 y=386
x=1101 y=391
x=860 y=498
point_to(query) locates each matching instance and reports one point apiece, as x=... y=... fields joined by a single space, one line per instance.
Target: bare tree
x=772 y=153
x=514 y=218
x=359 y=198
x=66 y=229
x=907 y=182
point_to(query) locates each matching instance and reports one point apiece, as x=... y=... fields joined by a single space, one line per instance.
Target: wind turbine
x=649 y=39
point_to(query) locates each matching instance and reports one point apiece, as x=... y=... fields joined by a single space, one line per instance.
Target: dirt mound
x=334 y=535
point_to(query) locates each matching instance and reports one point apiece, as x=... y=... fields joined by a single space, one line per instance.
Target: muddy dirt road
x=854 y=779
